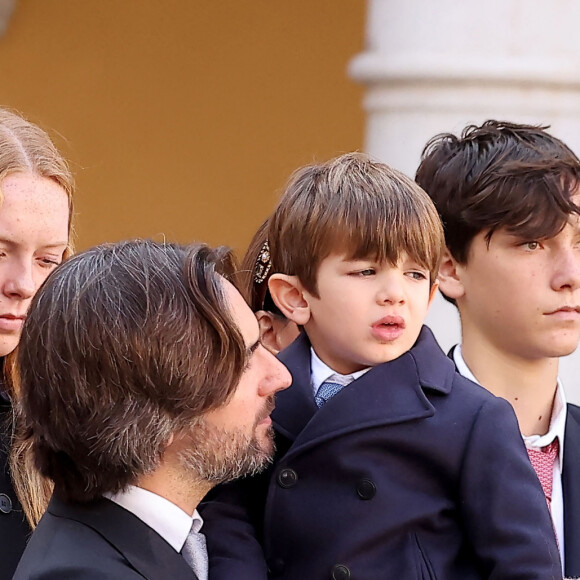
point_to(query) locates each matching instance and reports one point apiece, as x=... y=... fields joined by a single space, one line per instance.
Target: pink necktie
x=543 y=460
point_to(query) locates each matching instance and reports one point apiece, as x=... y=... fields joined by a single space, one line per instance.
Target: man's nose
x=279 y=378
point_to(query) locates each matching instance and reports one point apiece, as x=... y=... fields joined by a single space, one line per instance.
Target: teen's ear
x=288 y=295
x=449 y=277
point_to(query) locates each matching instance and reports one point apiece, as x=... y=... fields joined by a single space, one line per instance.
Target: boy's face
x=366 y=313
x=522 y=296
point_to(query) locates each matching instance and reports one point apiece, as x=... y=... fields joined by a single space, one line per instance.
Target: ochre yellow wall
x=184 y=118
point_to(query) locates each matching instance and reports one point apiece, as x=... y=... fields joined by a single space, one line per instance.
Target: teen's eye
x=533 y=245
x=417 y=275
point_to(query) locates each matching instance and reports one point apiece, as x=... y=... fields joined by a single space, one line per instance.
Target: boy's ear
x=268 y=334
x=449 y=276
x=433 y=291
x=288 y=295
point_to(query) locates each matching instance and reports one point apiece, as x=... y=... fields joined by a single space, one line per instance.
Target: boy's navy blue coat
x=410 y=472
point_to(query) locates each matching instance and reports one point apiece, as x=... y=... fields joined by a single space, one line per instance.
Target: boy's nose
x=391 y=291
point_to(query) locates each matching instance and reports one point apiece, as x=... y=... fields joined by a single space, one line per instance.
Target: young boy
x=389 y=463
x=508 y=197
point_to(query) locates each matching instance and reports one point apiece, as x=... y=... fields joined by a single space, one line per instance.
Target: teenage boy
x=508 y=197
x=389 y=463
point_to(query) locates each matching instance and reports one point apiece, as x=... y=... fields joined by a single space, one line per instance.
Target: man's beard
x=217 y=455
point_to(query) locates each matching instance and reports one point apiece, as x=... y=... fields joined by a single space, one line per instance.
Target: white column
x=6 y=9
x=435 y=66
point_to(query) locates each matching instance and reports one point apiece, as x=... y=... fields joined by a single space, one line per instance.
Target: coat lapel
x=389 y=393
x=144 y=548
x=571 y=492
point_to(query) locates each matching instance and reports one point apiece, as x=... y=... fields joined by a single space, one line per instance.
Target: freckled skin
x=34 y=218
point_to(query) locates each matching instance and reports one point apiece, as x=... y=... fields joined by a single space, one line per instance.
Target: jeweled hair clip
x=263 y=263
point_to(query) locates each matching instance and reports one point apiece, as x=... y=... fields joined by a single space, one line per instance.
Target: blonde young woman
x=36 y=188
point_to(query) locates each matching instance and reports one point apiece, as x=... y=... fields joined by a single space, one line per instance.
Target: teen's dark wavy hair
x=499 y=175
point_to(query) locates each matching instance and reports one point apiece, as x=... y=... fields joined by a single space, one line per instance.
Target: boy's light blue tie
x=330 y=387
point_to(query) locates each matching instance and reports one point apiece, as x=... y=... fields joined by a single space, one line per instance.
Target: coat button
x=275 y=566
x=5 y=504
x=366 y=489
x=287 y=478
x=340 y=572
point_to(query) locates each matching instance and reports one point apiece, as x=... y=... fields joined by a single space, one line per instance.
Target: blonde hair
x=355 y=206
x=26 y=148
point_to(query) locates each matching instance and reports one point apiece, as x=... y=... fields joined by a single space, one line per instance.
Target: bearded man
x=143 y=385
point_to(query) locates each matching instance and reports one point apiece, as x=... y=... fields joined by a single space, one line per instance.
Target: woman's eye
x=49 y=262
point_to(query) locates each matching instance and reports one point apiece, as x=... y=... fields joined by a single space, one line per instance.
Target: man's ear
x=288 y=295
x=268 y=334
x=449 y=277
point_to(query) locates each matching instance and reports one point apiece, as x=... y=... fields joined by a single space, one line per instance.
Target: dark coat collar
x=571 y=492
x=392 y=392
x=144 y=548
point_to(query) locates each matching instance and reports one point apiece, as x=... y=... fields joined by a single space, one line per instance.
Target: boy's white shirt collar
x=320 y=372
x=557 y=420
x=160 y=514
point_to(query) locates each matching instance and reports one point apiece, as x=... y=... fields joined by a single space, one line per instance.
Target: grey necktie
x=330 y=387
x=194 y=552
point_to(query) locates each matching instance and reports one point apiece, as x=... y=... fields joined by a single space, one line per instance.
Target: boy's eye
x=533 y=245
x=417 y=275
x=366 y=272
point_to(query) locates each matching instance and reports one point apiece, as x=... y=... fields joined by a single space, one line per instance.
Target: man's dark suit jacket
x=411 y=472
x=570 y=490
x=97 y=541
x=14 y=530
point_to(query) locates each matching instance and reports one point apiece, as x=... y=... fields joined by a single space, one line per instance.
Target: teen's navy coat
x=571 y=493
x=98 y=540
x=411 y=472
x=570 y=490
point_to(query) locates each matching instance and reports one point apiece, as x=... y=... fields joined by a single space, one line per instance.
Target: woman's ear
x=288 y=295
x=268 y=334
x=449 y=277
